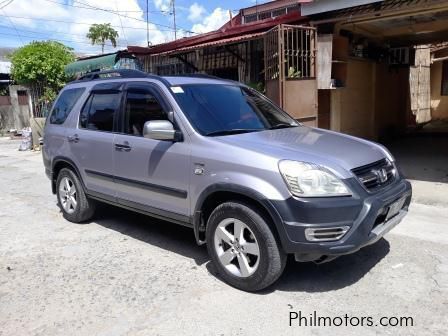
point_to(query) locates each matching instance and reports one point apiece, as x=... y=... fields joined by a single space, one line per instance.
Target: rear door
x=92 y=142
x=151 y=175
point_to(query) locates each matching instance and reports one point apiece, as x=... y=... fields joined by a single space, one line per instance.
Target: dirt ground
x=127 y=274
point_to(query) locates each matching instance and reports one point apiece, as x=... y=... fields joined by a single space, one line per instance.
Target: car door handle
x=124 y=147
x=73 y=138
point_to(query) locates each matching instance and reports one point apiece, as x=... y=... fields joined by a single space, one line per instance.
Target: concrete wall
x=374 y=103
x=439 y=103
x=14 y=115
x=352 y=107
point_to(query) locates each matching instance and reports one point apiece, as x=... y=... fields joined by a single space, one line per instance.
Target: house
x=250 y=49
x=382 y=64
x=370 y=68
x=14 y=99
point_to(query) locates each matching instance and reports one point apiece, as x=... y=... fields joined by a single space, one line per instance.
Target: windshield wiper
x=232 y=131
x=278 y=126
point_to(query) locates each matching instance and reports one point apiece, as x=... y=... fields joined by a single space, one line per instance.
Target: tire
x=262 y=263
x=69 y=188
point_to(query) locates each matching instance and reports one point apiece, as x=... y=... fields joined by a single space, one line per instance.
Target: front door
x=151 y=175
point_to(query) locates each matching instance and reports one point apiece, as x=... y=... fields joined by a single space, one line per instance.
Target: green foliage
x=48 y=96
x=4 y=91
x=257 y=86
x=41 y=62
x=99 y=33
x=293 y=73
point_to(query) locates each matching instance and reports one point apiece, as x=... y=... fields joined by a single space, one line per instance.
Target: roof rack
x=122 y=73
x=199 y=75
x=119 y=73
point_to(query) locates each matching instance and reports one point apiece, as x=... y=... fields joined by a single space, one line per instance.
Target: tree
x=99 y=33
x=41 y=64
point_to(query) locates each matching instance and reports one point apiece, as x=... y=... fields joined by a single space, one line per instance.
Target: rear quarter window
x=64 y=105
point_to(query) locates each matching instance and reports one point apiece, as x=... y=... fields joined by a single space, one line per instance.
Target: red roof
x=224 y=32
x=234 y=39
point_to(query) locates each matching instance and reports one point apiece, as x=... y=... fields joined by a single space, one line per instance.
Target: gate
x=290 y=75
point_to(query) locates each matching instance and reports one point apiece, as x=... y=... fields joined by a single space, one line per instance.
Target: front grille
x=375 y=175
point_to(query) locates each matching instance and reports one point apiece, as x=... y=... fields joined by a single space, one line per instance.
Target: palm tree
x=99 y=33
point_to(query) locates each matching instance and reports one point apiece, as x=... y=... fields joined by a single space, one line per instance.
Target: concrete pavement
x=127 y=274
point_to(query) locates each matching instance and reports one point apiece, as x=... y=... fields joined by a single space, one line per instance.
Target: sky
x=68 y=21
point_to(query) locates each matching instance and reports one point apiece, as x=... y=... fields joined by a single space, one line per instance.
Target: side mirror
x=159 y=130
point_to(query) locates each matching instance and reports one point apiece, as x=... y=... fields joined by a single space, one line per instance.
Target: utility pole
x=173 y=5
x=147 y=22
x=256 y=8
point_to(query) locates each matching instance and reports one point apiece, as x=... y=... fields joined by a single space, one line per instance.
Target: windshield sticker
x=177 y=89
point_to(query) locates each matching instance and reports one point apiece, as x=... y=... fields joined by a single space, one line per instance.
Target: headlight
x=310 y=180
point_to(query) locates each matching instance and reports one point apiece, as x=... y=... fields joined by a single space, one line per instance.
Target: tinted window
x=227 y=109
x=99 y=111
x=64 y=105
x=141 y=106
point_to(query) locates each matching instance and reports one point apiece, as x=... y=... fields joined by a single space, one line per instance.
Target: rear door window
x=64 y=105
x=100 y=110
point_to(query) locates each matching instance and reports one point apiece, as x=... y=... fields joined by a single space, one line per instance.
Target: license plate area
x=395 y=208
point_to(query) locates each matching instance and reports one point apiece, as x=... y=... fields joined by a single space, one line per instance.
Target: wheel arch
x=217 y=194
x=60 y=163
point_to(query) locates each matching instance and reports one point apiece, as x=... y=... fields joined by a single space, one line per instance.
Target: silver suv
x=217 y=156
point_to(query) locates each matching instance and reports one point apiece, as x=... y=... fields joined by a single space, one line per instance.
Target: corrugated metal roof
x=230 y=40
x=97 y=63
x=218 y=35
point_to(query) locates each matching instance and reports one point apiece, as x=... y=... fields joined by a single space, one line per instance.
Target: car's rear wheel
x=243 y=247
x=72 y=200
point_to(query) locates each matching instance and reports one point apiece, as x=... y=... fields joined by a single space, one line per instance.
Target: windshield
x=229 y=109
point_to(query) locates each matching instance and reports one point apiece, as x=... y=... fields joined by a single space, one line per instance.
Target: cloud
x=163 y=5
x=196 y=12
x=39 y=26
x=212 y=22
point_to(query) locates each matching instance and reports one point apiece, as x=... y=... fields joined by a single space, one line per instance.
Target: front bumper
x=363 y=213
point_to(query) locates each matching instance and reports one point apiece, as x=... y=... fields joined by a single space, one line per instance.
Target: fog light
x=326 y=234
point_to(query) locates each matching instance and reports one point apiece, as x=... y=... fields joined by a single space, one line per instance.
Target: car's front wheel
x=243 y=247
x=72 y=200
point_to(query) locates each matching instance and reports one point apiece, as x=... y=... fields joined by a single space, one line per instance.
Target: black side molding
x=141 y=184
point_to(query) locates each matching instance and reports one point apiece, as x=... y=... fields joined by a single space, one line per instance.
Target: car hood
x=309 y=144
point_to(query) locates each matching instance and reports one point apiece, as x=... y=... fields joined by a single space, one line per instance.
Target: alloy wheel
x=68 y=195
x=237 y=248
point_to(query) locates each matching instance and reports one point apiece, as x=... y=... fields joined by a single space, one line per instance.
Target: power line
x=125 y=16
x=48 y=34
x=43 y=31
x=7 y=4
x=57 y=40
x=90 y=7
x=78 y=23
x=121 y=23
x=12 y=24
